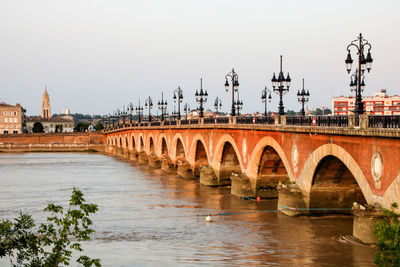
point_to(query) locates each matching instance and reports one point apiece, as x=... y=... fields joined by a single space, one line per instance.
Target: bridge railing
x=189 y=121
x=255 y=120
x=365 y=121
x=383 y=121
x=327 y=121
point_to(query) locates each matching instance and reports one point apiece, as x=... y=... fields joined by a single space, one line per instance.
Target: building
x=12 y=119
x=50 y=124
x=66 y=112
x=378 y=104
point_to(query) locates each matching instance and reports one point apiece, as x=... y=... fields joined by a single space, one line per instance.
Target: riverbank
x=53 y=142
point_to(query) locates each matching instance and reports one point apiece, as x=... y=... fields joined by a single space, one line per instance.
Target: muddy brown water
x=149 y=218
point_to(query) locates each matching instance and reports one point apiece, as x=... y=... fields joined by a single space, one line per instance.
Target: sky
x=97 y=55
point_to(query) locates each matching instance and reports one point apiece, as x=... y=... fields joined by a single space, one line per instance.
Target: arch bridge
x=323 y=166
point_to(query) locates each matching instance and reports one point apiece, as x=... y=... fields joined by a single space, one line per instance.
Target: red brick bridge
x=328 y=166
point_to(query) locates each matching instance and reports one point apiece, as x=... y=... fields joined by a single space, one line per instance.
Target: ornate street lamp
x=217 y=104
x=186 y=108
x=357 y=83
x=238 y=105
x=124 y=114
x=303 y=97
x=201 y=97
x=117 y=113
x=178 y=96
x=266 y=97
x=234 y=77
x=148 y=104
x=139 y=111
x=280 y=87
x=130 y=109
x=162 y=105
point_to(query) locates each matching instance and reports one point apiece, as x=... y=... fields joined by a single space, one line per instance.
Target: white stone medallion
x=295 y=156
x=377 y=169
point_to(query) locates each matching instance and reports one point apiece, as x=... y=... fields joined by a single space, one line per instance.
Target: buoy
x=258 y=198
x=208 y=218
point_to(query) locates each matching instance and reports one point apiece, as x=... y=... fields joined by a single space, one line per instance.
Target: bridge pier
x=290 y=198
x=154 y=162
x=108 y=149
x=241 y=186
x=143 y=158
x=167 y=166
x=120 y=152
x=125 y=154
x=209 y=177
x=114 y=150
x=185 y=170
x=134 y=156
x=363 y=224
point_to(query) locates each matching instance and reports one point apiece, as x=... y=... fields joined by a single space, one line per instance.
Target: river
x=149 y=218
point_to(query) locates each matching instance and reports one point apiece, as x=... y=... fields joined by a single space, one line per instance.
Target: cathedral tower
x=46 y=110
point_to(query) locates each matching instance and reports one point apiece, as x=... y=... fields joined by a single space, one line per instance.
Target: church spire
x=46 y=110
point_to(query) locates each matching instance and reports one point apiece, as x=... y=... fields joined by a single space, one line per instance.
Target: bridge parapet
x=378 y=126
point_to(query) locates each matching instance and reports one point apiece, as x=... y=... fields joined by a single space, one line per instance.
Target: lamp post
x=139 y=111
x=280 y=87
x=217 y=104
x=162 y=105
x=201 y=97
x=186 y=108
x=234 y=77
x=303 y=97
x=178 y=96
x=356 y=83
x=148 y=104
x=130 y=109
x=266 y=97
x=118 y=113
x=124 y=114
x=238 y=105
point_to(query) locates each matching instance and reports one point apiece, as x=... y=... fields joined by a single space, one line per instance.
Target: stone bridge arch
x=178 y=149
x=227 y=158
x=126 y=143
x=141 y=143
x=163 y=147
x=133 y=143
x=268 y=166
x=392 y=194
x=310 y=169
x=199 y=154
x=151 y=147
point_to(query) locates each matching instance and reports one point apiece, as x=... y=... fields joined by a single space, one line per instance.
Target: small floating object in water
x=258 y=198
x=208 y=218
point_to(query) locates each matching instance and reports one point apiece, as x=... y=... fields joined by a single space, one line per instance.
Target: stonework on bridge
x=331 y=167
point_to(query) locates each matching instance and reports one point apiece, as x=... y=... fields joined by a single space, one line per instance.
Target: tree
x=387 y=232
x=54 y=241
x=99 y=126
x=38 y=127
x=291 y=113
x=59 y=128
x=81 y=127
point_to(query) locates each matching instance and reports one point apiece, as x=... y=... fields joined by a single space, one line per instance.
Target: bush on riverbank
x=54 y=241
x=388 y=233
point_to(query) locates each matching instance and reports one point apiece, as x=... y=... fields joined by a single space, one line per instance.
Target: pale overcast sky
x=97 y=55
